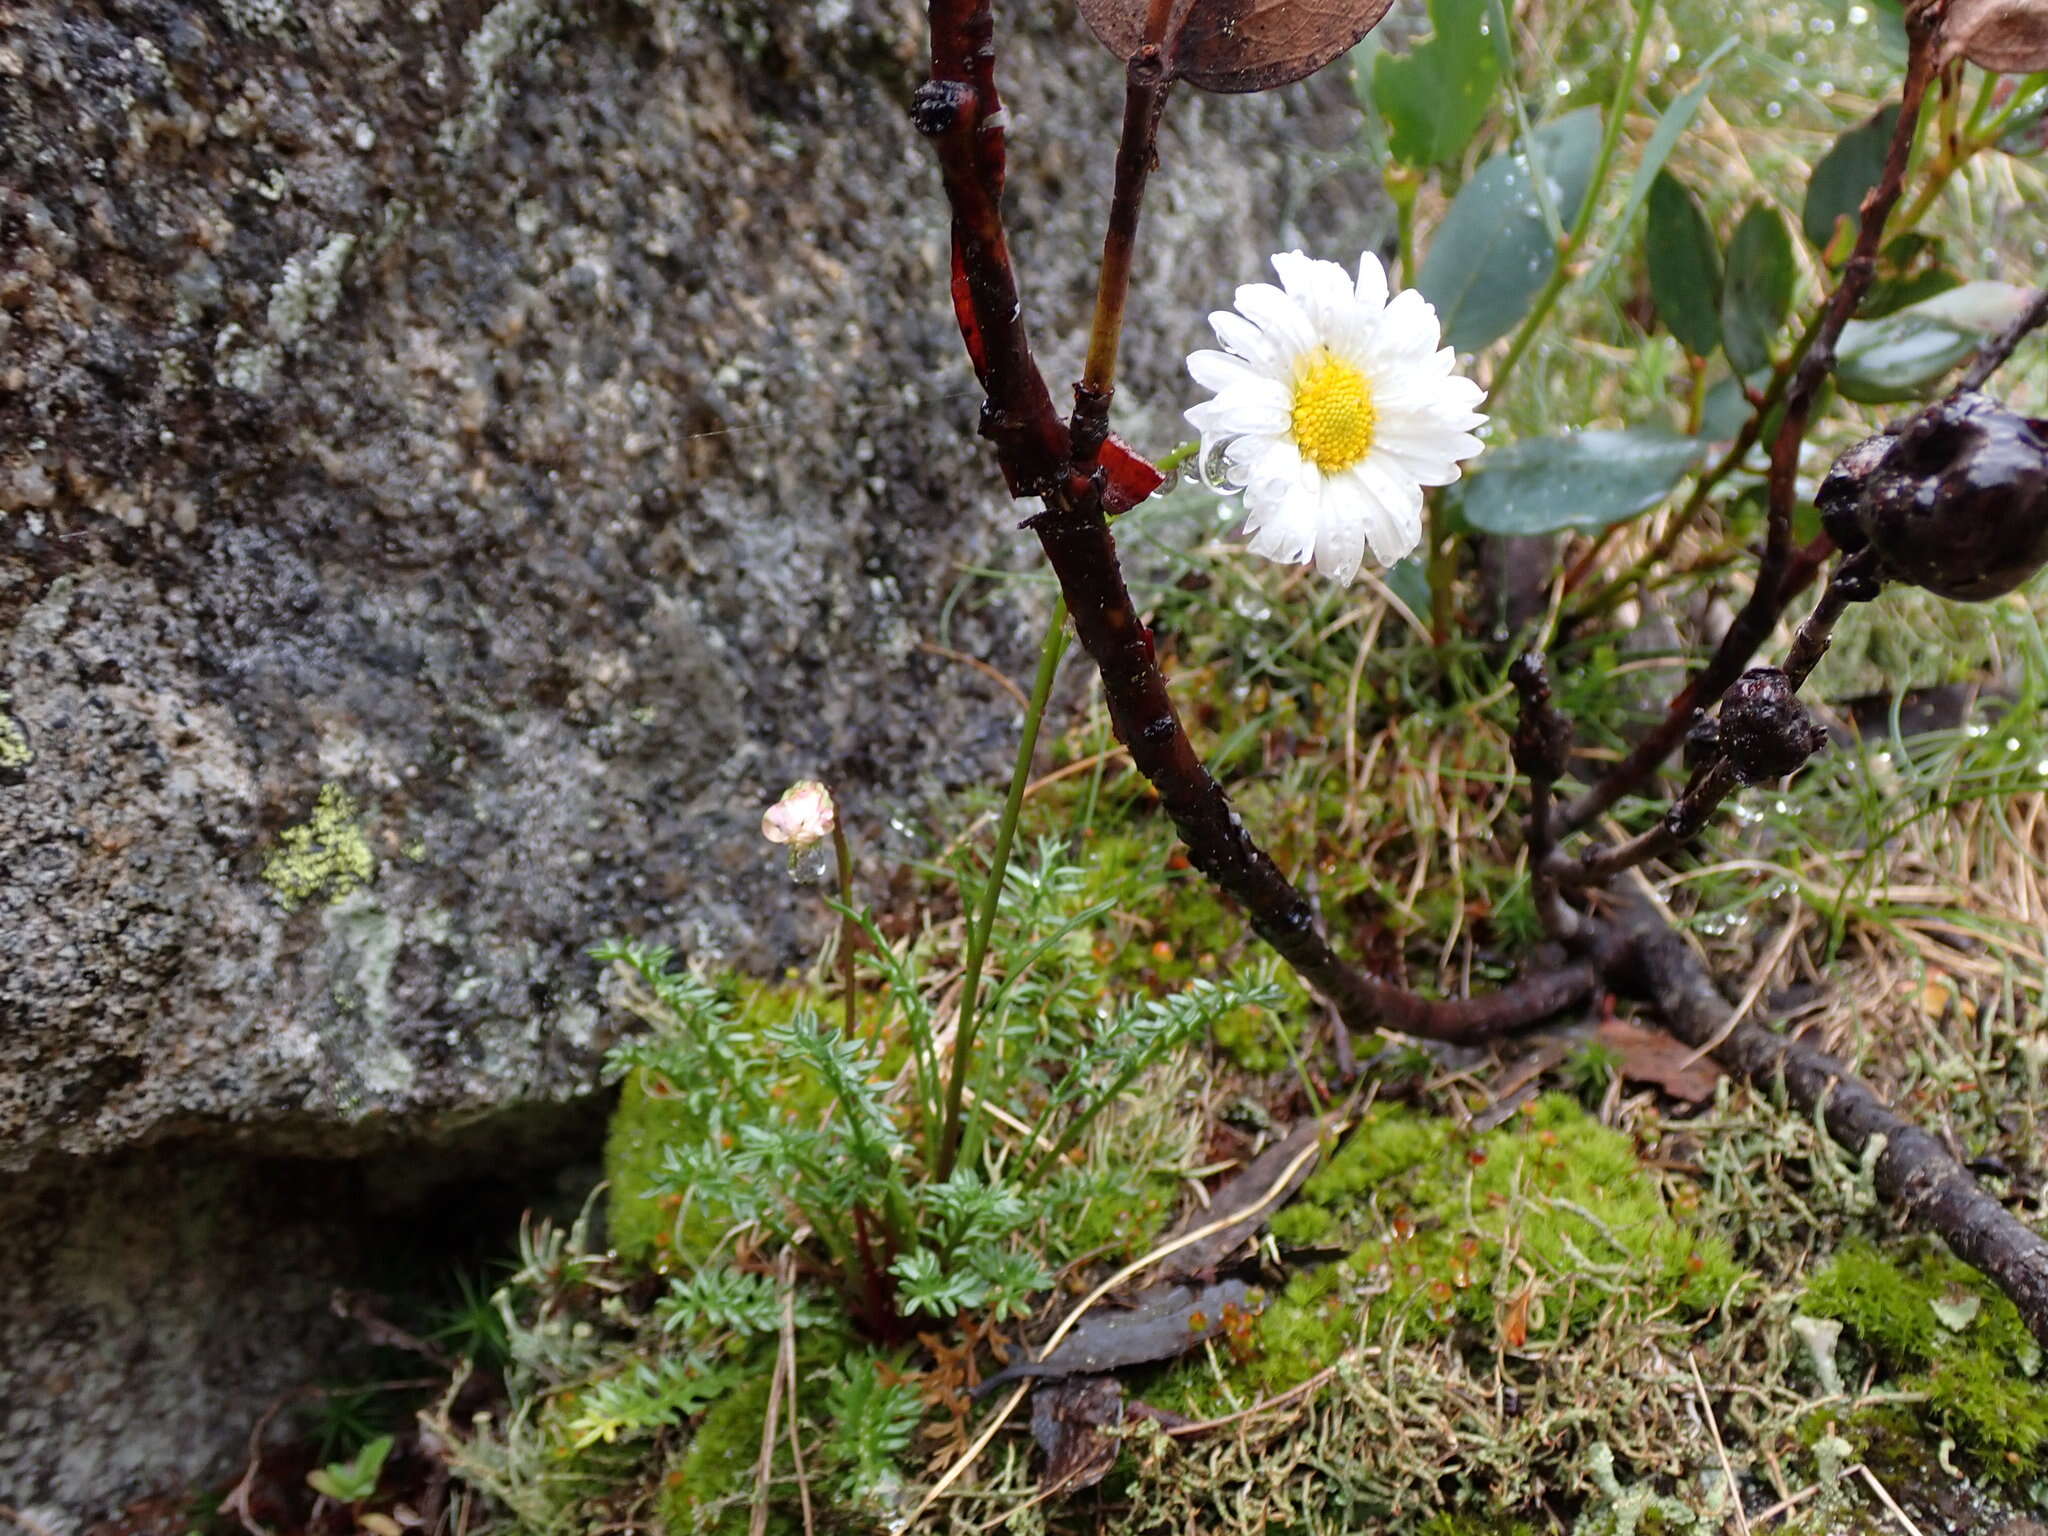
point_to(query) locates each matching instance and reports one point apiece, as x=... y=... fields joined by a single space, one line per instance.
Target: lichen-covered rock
x=457 y=463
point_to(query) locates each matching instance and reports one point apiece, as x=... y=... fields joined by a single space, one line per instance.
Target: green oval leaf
x=1882 y=362
x=1494 y=250
x=1434 y=96
x=1756 y=294
x=1844 y=176
x=1685 y=266
x=1584 y=480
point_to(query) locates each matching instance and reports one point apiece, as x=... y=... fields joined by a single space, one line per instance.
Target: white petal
x=1272 y=475
x=1422 y=468
x=1340 y=541
x=1286 y=325
x=1241 y=459
x=1322 y=288
x=1246 y=340
x=1371 y=291
x=1289 y=517
x=1235 y=413
x=1409 y=328
x=1398 y=529
x=1218 y=371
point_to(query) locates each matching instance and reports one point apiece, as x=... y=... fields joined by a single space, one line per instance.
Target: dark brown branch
x=1684 y=821
x=1913 y=1171
x=1993 y=354
x=1542 y=744
x=1078 y=544
x=1779 y=575
x=960 y=111
x=956 y=109
x=1855 y=581
x=1145 y=92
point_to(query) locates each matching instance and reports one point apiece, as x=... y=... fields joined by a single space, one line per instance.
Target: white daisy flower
x=1334 y=408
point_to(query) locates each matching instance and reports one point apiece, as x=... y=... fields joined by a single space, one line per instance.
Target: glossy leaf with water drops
x=1843 y=177
x=1495 y=248
x=1902 y=356
x=1435 y=95
x=1756 y=294
x=1587 y=481
x=1238 y=45
x=1685 y=266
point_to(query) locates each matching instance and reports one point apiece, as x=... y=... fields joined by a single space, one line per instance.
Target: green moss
x=1112 y=1214
x=1474 y=1525
x=641 y=1223
x=1867 y=1292
x=1949 y=1333
x=1540 y=1226
x=325 y=855
x=709 y=1487
x=1257 y=1040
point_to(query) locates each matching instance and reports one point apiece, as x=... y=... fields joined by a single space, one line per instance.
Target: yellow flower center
x=1333 y=414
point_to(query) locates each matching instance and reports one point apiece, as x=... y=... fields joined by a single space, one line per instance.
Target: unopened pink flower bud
x=803 y=816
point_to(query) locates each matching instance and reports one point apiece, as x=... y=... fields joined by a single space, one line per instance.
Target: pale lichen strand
x=324 y=856
x=304 y=297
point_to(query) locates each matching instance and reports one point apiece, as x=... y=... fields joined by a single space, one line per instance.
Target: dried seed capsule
x=1702 y=742
x=1765 y=731
x=1841 y=493
x=1956 y=501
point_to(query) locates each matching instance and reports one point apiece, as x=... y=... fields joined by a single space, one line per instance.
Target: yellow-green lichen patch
x=16 y=755
x=1950 y=1337
x=324 y=856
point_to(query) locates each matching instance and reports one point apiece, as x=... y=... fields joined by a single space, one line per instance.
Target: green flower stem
x=984 y=920
x=1402 y=185
x=849 y=930
x=1560 y=272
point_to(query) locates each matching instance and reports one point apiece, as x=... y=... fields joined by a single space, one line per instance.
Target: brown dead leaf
x=1071 y=1421
x=1161 y=1322
x=2009 y=37
x=1249 y=1197
x=1653 y=1057
x=1239 y=45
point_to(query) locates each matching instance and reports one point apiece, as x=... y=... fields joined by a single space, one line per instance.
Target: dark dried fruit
x=1702 y=742
x=1956 y=501
x=1765 y=731
x=1841 y=492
